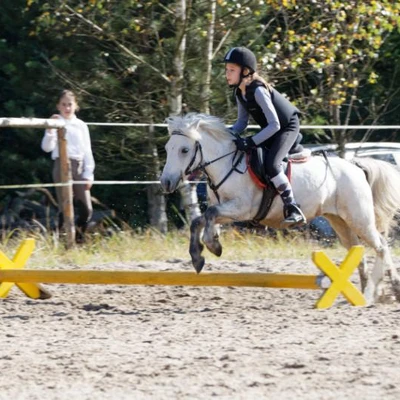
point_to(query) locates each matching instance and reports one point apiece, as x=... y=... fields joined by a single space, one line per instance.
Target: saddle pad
x=256 y=165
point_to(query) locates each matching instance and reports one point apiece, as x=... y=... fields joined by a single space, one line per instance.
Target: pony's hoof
x=215 y=249
x=44 y=294
x=218 y=251
x=386 y=299
x=396 y=288
x=199 y=264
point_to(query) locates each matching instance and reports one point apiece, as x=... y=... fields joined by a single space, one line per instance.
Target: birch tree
x=100 y=20
x=328 y=51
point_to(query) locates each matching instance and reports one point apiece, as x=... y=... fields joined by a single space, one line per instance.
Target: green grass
x=150 y=245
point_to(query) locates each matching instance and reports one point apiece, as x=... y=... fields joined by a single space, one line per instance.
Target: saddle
x=256 y=166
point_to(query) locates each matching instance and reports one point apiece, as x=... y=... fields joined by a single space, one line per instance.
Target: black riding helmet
x=243 y=57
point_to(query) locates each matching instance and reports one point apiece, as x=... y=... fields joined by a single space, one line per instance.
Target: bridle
x=203 y=165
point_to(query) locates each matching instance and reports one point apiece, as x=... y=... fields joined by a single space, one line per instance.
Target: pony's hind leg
x=196 y=248
x=391 y=271
x=376 y=289
x=383 y=268
x=375 y=221
x=348 y=239
x=372 y=282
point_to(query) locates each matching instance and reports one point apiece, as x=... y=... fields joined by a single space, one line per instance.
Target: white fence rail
x=334 y=127
x=54 y=123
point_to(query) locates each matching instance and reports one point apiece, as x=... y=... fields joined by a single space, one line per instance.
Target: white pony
x=359 y=199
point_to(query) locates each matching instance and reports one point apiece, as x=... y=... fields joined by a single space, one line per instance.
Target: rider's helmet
x=243 y=57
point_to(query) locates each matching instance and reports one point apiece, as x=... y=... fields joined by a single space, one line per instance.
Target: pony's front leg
x=196 y=248
x=211 y=231
x=228 y=211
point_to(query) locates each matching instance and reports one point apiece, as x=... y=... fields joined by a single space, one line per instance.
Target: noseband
x=202 y=166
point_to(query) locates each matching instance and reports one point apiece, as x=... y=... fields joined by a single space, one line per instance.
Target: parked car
x=386 y=151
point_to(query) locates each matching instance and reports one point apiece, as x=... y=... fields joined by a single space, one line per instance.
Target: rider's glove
x=232 y=131
x=245 y=144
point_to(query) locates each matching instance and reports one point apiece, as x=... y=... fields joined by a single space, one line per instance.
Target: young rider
x=277 y=117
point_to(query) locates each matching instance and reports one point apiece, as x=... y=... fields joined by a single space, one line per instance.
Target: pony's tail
x=384 y=180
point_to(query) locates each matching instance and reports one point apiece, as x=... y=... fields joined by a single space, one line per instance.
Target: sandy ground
x=132 y=342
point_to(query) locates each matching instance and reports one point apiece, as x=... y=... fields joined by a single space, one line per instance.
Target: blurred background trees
x=140 y=61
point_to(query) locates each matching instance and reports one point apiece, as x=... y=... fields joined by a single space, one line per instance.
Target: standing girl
x=277 y=117
x=80 y=155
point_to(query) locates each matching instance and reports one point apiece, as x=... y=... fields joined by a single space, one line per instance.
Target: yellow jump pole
x=287 y=281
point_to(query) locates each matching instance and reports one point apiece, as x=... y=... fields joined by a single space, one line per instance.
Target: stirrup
x=293 y=216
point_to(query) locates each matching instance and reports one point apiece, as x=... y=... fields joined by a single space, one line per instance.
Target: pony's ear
x=169 y=121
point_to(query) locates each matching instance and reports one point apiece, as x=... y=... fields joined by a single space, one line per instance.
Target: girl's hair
x=257 y=77
x=67 y=92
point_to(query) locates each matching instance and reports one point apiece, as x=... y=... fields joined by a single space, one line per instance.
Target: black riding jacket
x=284 y=108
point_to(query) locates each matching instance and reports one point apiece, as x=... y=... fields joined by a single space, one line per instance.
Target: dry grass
x=151 y=245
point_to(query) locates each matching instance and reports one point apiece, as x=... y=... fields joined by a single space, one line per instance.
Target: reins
x=202 y=166
x=325 y=155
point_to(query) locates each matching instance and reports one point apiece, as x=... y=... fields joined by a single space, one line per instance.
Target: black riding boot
x=293 y=215
x=291 y=211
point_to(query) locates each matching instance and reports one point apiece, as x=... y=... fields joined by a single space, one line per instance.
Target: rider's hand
x=245 y=144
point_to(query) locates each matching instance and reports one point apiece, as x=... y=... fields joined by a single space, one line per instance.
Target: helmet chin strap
x=242 y=75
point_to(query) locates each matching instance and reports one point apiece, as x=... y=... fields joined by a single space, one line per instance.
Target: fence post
x=66 y=177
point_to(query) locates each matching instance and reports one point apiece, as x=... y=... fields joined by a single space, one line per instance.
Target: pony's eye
x=185 y=150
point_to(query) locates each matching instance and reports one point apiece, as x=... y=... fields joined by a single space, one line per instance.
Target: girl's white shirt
x=78 y=144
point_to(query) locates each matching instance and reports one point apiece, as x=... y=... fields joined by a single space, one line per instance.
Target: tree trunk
x=175 y=99
x=205 y=91
x=155 y=199
x=187 y=191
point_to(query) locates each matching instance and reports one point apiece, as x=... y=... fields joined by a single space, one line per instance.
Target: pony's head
x=189 y=136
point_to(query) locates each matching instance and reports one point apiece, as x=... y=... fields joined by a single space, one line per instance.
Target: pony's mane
x=194 y=124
